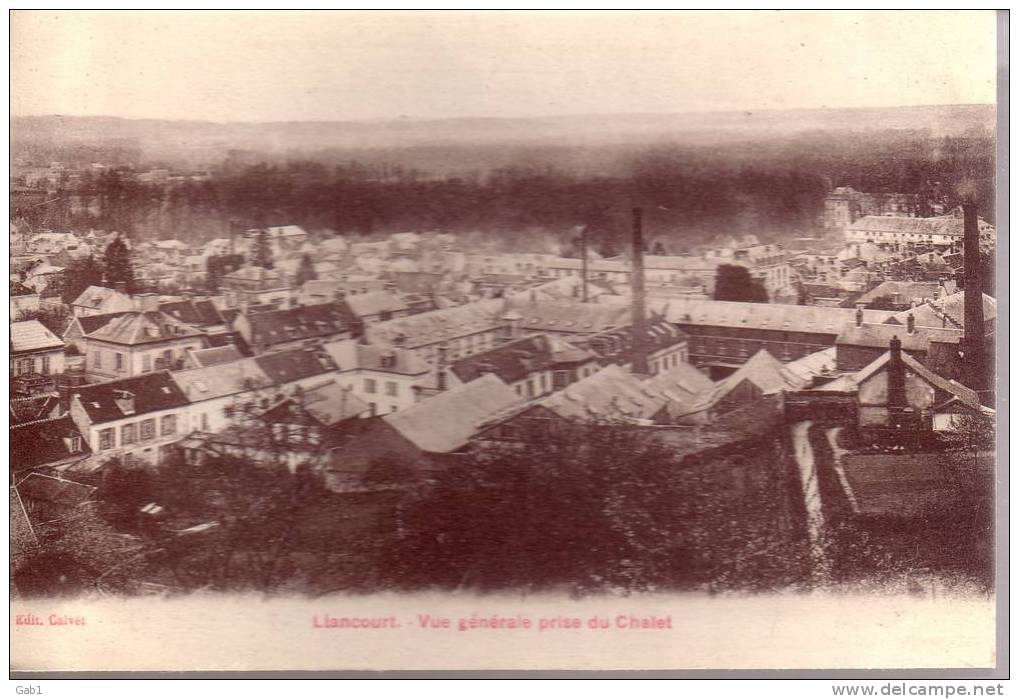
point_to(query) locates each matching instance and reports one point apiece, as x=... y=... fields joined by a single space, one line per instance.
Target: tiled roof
x=143 y=327
x=59 y=491
x=437 y=326
x=151 y=393
x=512 y=361
x=221 y=380
x=907 y=291
x=446 y=421
x=32 y=336
x=300 y=323
x=569 y=316
x=611 y=393
x=42 y=443
x=948 y=311
x=33 y=408
x=939 y=225
x=373 y=303
x=215 y=355
x=103 y=298
x=352 y=354
x=199 y=312
x=762 y=316
x=762 y=370
x=966 y=395
x=292 y=365
x=333 y=403
x=880 y=334
x=813 y=365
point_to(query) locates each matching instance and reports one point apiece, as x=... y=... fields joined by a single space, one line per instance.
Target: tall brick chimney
x=973 y=309
x=638 y=322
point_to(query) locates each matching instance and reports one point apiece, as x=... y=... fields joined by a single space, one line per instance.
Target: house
x=569 y=319
x=610 y=394
x=761 y=376
x=662 y=347
x=861 y=343
x=293 y=327
x=101 y=300
x=211 y=389
x=387 y=379
x=901 y=232
x=251 y=285
x=723 y=335
x=900 y=296
x=532 y=366
x=464 y=330
x=897 y=390
x=138 y=342
x=51 y=444
x=23 y=300
x=304 y=367
x=36 y=355
x=282 y=238
x=34 y=408
x=137 y=417
x=445 y=422
x=44 y=275
x=376 y=306
x=211 y=356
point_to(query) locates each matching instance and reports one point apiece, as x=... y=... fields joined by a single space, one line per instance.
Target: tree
x=305 y=271
x=79 y=275
x=261 y=250
x=117 y=264
x=734 y=283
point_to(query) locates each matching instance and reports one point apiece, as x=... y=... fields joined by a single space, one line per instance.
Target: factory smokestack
x=639 y=320
x=973 y=310
x=583 y=265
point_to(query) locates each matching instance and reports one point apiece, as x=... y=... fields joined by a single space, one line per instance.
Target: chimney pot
x=910 y=323
x=859 y=316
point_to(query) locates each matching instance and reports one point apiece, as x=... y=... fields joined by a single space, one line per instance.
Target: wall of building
x=45 y=363
x=136 y=359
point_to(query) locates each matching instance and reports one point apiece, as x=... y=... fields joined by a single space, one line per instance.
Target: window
x=118 y=361
x=74 y=444
x=45 y=365
x=391 y=388
x=106 y=438
x=26 y=366
x=168 y=424
x=97 y=359
x=128 y=435
x=146 y=362
x=371 y=409
x=148 y=429
x=369 y=386
x=393 y=408
x=205 y=422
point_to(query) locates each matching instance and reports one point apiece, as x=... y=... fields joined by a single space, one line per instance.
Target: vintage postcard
x=504 y=341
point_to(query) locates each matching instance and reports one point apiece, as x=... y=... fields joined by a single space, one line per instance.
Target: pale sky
x=272 y=66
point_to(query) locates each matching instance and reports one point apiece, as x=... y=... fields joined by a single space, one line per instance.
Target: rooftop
x=45 y=443
x=762 y=316
x=294 y=364
x=32 y=336
x=104 y=402
x=353 y=354
x=221 y=380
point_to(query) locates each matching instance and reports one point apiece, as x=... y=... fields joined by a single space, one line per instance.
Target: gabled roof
x=679 y=382
x=617 y=346
x=211 y=356
x=373 y=303
x=612 y=393
x=765 y=372
x=33 y=408
x=939 y=225
x=515 y=360
x=152 y=392
x=197 y=312
x=300 y=323
x=220 y=380
x=58 y=491
x=436 y=326
x=948 y=311
x=907 y=291
x=103 y=298
x=42 y=443
x=963 y=394
x=32 y=336
x=353 y=354
x=295 y=364
x=332 y=403
x=446 y=421
x=142 y=327
x=880 y=334
x=568 y=316
x=762 y=316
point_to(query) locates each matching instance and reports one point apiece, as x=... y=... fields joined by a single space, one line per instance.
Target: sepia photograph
x=573 y=340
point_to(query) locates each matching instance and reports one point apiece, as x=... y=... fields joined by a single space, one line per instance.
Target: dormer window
x=73 y=444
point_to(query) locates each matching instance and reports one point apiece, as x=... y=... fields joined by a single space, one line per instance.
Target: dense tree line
x=771 y=188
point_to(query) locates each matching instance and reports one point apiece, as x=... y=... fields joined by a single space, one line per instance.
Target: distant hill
x=42 y=138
